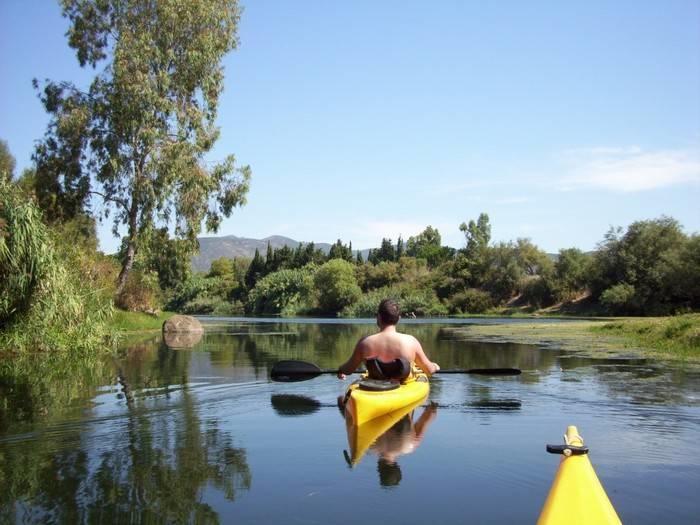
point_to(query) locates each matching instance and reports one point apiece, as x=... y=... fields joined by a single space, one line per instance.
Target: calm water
x=202 y=435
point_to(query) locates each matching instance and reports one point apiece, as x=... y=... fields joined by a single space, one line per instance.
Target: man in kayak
x=388 y=354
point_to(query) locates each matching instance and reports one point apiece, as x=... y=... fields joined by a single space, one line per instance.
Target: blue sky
x=369 y=119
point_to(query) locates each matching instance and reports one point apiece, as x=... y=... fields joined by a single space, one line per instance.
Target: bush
x=472 y=301
x=618 y=298
x=538 y=291
x=141 y=293
x=378 y=276
x=286 y=292
x=336 y=286
x=422 y=303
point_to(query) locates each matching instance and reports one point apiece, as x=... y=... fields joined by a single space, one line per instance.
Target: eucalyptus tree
x=139 y=135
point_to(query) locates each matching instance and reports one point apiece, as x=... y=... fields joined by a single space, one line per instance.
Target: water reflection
x=389 y=437
x=287 y=405
x=162 y=435
x=145 y=456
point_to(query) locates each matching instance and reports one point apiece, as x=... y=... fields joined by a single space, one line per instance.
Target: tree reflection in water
x=150 y=463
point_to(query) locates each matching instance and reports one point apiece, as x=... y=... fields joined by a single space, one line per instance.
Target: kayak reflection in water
x=403 y=437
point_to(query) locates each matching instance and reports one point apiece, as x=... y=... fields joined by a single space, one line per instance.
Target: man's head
x=388 y=312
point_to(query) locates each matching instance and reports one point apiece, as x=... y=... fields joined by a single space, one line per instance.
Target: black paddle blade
x=291 y=371
x=485 y=371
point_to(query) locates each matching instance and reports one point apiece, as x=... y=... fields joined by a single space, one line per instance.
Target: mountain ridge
x=231 y=246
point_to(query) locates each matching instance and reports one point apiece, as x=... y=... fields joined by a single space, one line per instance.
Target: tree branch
x=121 y=202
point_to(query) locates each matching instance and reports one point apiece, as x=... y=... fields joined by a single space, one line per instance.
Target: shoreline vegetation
x=675 y=338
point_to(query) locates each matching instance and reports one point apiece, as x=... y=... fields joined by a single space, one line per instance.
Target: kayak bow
x=576 y=496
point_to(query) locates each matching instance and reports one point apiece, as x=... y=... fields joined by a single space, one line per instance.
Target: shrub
x=422 y=303
x=286 y=292
x=473 y=301
x=537 y=291
x=618 y=298
x=336 y=286
x=141 y=293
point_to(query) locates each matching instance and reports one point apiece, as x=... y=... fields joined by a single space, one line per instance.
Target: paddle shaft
x=301 y=370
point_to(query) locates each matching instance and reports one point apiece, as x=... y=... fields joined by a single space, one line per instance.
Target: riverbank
x=123 y=321
x=676 y=338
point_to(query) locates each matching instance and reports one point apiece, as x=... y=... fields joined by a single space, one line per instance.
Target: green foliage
x=386 y=252
x=471 y=301
x=682 y=274
x=136 y=321
x=427 y=245
x=168 y=258
x=141 y=292
x=26 y=255
x=538 y=291
x=222 y=267
x=381 y=275
x=639 y=258
x=571 y=272
x=422 y=303
x=340 y=251
x=139 y=136
x=676 y=335
x=195 y=290
x=336 y=286
x=501 y=272
x=477 y=235
x=618 y=298
x=256 y=270
x=46 y=301
x=286 y=292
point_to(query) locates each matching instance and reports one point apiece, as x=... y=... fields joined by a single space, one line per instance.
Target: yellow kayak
x=576 y=496
x=361 y=437
x=368 y=399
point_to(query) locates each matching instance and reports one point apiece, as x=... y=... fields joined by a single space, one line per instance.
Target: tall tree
x=255 y=271
x=139 y=136
x=477 y=234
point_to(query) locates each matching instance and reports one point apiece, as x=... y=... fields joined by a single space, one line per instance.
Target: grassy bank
x=123 y=321
x=668 y=337
x=677 y=336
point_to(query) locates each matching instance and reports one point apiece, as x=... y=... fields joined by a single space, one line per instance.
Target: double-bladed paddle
x=291 y=371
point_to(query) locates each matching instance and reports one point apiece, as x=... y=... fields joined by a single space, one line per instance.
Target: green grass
x=124 y=321
x=677 y=336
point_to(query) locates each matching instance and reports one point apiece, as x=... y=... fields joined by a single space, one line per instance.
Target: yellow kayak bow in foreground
x=576 y=496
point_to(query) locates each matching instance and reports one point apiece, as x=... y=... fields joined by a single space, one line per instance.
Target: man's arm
x=426 y=364
x=355 y=360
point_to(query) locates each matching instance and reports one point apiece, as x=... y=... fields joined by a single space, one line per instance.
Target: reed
x=45 y=303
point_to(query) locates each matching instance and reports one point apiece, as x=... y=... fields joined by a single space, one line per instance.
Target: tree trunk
x=130 y=249
x=126 y=267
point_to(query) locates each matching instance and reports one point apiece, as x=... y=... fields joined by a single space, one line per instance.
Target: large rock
x=182 y=331
x=182 y=323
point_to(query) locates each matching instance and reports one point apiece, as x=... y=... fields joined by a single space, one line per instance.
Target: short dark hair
x=389 y=473
x=389 y=312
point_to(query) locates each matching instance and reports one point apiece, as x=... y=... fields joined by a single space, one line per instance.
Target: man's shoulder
x=408 y=337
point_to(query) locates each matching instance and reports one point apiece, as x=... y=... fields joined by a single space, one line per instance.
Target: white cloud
x=629 y=169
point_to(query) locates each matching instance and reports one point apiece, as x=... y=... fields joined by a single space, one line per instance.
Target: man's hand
x=341 y=375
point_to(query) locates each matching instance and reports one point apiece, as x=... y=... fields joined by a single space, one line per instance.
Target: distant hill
x=211 y=248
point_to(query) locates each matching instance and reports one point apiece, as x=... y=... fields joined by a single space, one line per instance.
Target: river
x=162 y=435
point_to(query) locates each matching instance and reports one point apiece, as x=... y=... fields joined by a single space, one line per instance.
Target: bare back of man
x=388 y=344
